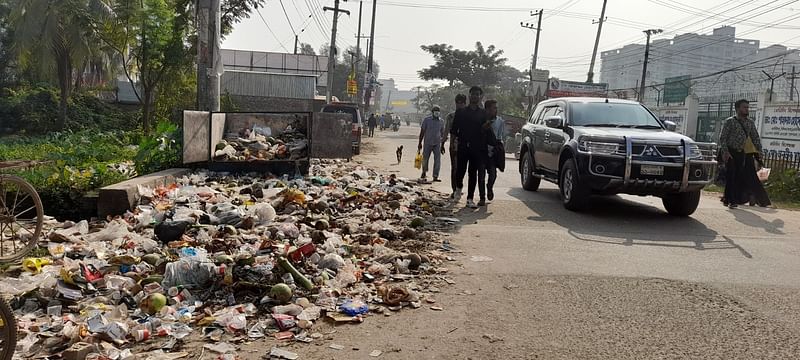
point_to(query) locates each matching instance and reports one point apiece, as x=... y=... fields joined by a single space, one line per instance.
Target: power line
x=270 y=30
x=287 y=18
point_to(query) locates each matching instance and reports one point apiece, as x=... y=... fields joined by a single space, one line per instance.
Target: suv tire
x=681 y=204
x=529 y=182
x=574 y=193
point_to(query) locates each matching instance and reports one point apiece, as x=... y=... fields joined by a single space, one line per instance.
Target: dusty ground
x=620 y=281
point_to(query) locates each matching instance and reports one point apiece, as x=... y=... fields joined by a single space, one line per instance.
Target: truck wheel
x=529 y=182
x=681 y=204
x=574 y=193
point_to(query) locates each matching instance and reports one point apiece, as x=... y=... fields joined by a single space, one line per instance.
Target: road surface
x=622 y=280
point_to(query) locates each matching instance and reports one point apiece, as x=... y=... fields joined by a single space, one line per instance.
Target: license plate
x=651 y=170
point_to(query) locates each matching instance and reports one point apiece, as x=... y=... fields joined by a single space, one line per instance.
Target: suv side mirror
x=671 y=126
x=555 y=121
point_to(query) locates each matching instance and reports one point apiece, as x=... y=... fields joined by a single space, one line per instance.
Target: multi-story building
x=705 y=58
x=394 y=100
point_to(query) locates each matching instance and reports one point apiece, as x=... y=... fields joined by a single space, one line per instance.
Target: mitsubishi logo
x=650 y=150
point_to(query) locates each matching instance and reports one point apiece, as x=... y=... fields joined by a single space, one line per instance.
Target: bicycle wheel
x=8 y=331
x=21 y=218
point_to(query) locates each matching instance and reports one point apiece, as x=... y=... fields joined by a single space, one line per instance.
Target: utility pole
x=358 y=49
x=296 y=39
x=590 y=77
x=368 y=89
x=791 y=87
x=332 y=53
x=772 y=81
x=209 y=61
x=533 y=99
x=648 y=32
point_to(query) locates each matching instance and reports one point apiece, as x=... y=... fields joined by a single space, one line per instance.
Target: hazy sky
x=567 y=35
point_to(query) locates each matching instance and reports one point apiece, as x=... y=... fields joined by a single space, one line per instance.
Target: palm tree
x=51 y=35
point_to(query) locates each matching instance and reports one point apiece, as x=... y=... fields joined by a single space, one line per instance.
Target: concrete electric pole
x=791 y=87
x=644 y=66
x=368 y=87
x=533 y=99
x=332 y=53
x=209 y=60
x=772 y=82
x=590 y=77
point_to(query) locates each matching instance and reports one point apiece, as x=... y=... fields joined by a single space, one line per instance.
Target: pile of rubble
x=258 y=144
x=224 y=259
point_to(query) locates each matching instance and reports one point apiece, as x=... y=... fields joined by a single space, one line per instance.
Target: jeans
x=491 y=170
x=453 y=167
x=371 y=131
x=472 y=162
x=436 y=149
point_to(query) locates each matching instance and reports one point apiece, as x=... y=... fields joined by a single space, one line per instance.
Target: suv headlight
x=695 y=152
x=601 y=148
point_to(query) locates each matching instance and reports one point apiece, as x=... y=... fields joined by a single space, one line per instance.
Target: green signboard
x=676 y=89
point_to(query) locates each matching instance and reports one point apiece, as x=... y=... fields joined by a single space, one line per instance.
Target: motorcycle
x=395 y=126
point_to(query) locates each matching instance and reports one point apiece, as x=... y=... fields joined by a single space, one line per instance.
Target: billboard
x=679 y=116
x=563 y=88
x=539 y=83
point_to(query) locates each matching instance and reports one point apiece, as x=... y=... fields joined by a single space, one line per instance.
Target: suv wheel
x=529 y=182
x=574 y=193
x=681 y=204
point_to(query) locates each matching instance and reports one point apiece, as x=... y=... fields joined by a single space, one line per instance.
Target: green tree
x=150 y=37
x=307 y=49
x=482 y=66
x=51 y=34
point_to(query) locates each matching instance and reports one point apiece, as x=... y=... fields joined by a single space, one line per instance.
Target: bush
x=81 y=162
x=161 y=150
x=784 y=186
x=35 y=111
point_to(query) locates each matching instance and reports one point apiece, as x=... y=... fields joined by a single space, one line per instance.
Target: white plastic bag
x=763 y=174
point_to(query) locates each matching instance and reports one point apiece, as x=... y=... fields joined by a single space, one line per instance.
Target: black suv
x=608 y=146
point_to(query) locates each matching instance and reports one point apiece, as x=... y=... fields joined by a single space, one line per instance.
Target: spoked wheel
x=8 y=331
x=21 y=218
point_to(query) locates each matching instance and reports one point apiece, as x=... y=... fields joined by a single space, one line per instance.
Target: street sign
x=563 y=88
x=676 y=89
x=352 y=87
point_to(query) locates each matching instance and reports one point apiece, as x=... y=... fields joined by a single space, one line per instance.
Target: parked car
x=608 y=146
x=358 y=125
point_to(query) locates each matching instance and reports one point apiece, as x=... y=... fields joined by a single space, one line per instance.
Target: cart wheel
x=8 y=331
x=21 y=218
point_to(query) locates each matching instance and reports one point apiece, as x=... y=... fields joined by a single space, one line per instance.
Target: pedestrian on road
x=496 y=153
x=472 y=144
x=741 y=151
x=372 y=123
x=432 y=133
x=461 y=102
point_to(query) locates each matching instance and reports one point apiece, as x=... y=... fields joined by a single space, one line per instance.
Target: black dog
x=399 y=153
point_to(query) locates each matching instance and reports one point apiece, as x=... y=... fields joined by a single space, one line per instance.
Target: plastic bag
x=188 y=272
x=763 y=174
x=418 y=161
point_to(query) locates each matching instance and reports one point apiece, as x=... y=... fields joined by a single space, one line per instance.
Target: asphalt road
x=622 y=280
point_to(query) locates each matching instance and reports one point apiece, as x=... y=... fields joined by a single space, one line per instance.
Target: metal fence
x=781 y=161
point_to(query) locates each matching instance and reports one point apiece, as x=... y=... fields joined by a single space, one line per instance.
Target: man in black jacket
x=473 y=139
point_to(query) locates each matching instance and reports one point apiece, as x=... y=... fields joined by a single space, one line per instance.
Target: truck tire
x=529 y=182
x=681 y=204
x=574 y=192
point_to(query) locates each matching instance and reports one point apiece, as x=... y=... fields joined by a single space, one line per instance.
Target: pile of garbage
x=258 y=143
x=221 y=259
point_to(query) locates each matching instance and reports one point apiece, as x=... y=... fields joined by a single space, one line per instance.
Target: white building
x=699 y=55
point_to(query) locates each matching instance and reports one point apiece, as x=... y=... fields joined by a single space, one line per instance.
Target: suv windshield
x=611 y=115
x=342 y=110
